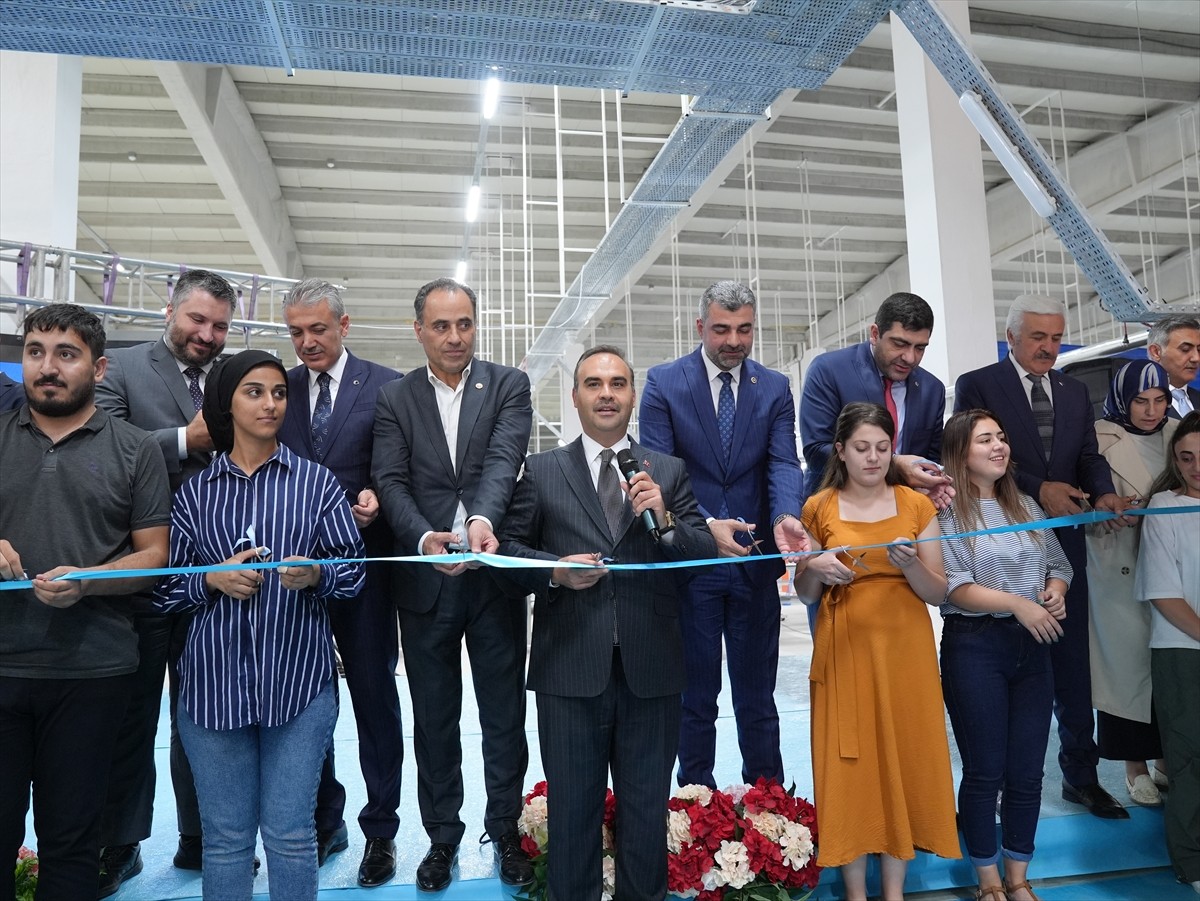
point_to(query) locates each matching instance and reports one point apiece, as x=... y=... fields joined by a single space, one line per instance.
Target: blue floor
x=1074 y=849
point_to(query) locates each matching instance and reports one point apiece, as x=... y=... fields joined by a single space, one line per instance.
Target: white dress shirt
x=1028 y=385
x=336 y=372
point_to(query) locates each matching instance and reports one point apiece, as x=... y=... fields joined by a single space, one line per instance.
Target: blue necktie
x=725 y=411
x=320 y=418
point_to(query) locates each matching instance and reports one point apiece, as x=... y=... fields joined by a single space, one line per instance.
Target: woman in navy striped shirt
x=1004 y=601
x=257 y=706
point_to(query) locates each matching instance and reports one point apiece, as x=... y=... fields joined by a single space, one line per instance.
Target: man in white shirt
x=1174 y=342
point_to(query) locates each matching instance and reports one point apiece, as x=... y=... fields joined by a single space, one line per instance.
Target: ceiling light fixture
x=1023 y=177
x=472 y=211
x=131 y=156
x=460 y=271
x=491 y=96
x=331 y=163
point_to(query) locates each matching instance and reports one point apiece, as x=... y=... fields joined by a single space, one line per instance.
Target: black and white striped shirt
x=259 y=661
x=1013 y=562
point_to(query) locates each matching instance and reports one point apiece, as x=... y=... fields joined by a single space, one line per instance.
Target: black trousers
x=57 y=735
x=470 y=606
x=129 y=808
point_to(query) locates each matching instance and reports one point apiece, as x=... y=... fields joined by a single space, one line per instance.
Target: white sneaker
x=1143 y=791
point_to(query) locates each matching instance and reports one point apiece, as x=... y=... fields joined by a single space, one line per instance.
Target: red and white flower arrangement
x=26 y=875
x=746 y=843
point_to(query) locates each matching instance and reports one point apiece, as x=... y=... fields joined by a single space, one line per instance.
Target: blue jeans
x=999 y=690
x=260 y=777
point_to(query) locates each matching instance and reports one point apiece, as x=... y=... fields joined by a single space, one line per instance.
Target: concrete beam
x=219 y=122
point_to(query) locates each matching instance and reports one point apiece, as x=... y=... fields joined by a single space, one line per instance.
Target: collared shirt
x=899 y=396
x=335 y=380
x=204 y=371
x=591 y=451
x=1181 y=402
x=449 y=401
x=1028 y=385
x=74 y=502
x=259 y=661
x=714 y=381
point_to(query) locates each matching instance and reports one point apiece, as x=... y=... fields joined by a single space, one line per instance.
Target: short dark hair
x=852 y=416
x=203 y=280
x=601 y=349
x=728 y=295
x=443 y=284
x=63 y=317
x=910 y=310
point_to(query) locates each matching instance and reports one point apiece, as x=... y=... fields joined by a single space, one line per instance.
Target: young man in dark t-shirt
x=81 y=490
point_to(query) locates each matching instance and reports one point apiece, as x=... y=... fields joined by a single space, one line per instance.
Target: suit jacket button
x=459 y=492
x=1124 y=570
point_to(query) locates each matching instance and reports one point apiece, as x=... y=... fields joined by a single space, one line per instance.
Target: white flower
x=701 y=793
x=768 y=824
x=737 y=791
x=796 y=845
x=679 y=830
x=533 y=821
x=610 y=878
x=732 y=867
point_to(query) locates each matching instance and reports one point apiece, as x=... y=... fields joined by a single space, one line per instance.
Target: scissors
x=856 y=562
x=753 y=546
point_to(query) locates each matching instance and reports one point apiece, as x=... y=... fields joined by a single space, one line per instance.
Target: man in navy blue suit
x=331 y=420
x=1047 y=418
x=1174 y=341
x=732 y=422
x=915 y=397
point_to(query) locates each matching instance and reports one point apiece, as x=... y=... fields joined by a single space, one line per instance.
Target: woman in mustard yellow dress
x=881 y=762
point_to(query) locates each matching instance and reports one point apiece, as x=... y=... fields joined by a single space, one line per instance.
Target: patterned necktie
x=1181 y=402
x=193 y=374
x=725 y=410
x=890 y=403
x=1043 y=413
x=320 y=418
x=612 y=498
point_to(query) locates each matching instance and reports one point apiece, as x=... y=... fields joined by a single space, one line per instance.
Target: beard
x=69 y=405
x=187 y=352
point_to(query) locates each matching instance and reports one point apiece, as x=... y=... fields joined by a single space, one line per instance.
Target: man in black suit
x=449 y=441
x=1047 y=417
x=331 y=420
x=159 y=387
x=607 y=655
x=1174 y=342
x=12 y=394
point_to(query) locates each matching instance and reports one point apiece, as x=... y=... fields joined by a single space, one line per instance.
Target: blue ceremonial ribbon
x=502 y=562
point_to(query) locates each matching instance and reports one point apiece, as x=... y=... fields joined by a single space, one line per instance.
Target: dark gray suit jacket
x=419 y=488
x=556 y=512
x=143 y=385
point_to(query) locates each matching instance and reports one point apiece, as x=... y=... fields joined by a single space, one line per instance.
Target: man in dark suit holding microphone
x=331 y=420
x=449 y=441
x=607 y=655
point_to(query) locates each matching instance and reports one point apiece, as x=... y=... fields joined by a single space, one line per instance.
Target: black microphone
x=629 y=468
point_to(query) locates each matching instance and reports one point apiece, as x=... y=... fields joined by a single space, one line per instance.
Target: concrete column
x=39 y=151
x=944 y=207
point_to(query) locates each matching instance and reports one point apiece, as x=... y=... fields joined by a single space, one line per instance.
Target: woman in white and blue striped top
x=1004 y=600
x=257 y=705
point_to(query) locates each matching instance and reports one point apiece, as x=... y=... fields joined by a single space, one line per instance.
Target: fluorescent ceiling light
x=460 y=272
x=491 y=96
x=1041 y=201
x=473 y=203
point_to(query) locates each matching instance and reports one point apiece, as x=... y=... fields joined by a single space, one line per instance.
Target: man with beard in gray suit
x=159 y=387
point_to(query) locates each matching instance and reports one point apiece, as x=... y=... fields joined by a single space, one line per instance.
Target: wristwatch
x=669 y=525
x=780 y=518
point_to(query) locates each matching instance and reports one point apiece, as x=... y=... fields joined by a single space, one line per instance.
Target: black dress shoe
x=433 y=873
x=378 y=864
x=118 y=864
x=1098 y=802
x=514 y=864
x=331 y=843
x=190 y=855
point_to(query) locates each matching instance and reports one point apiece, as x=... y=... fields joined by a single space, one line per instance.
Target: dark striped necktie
x=1043 y=413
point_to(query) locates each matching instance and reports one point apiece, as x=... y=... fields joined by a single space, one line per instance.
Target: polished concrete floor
x=1079 y=858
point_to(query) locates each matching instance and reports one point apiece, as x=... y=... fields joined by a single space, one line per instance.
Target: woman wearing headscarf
x=256 y=700
x=1133 y=437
